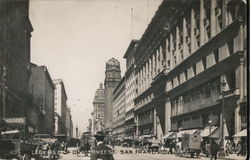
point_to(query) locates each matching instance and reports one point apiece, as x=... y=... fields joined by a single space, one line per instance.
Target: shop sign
x=15 y=120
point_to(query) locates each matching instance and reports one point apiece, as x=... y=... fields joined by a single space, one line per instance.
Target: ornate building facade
x=119 y=110
x=15 y=34
x=112 y=79
x=130 y=124
x=191 y=68
x=98 y=110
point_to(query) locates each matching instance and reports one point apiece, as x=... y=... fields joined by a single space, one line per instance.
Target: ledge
x=214 y=71
x=215 y=42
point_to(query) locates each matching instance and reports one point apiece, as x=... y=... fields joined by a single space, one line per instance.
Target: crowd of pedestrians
x=174 y=146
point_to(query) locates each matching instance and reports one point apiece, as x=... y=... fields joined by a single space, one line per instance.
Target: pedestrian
x=113 y=143
x=227 y=147
x=101 y=151
x=214 y=149
x=171 y=147
x=207 y=149
x=238 y=148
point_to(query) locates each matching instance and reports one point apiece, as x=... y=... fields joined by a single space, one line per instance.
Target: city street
x=138 y=156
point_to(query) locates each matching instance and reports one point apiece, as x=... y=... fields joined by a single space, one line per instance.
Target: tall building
x=119 y=110
x=69 y=124
x=130 y=123
x=112 y=78
x=60 y=99
x=191 y=68
x=98 y=110
x=42 y=88
x=15 y=34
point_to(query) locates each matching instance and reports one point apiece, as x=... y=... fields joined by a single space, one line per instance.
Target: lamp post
x=222 y=153
x=3 y=90
x=210 y=125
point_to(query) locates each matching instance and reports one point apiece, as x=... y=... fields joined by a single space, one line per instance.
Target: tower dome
x=113 y=64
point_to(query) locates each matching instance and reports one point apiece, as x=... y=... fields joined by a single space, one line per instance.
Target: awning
x=206 y=131
x=146 y=136
x=169 y=135
x=191 y=131
x=242 y=133
x=216 y=133
x=10 y=132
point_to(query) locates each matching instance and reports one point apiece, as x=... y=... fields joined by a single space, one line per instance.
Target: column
x=147 y=75
x=141 y=80
x=157 y=62
x=160 y=58
x=153 y=65
x=192 y=31
x=149 y=70
x=167 y=53
x=212 y=18
x=139 y=89
x=155 y=122
x=144 y=77
x=167 y=116
x=177 y=45
x=185 y=49
x=171 y=50
x=202 y=22
x=224 y=13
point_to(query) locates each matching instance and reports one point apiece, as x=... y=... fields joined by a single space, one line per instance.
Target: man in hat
x=101 y=151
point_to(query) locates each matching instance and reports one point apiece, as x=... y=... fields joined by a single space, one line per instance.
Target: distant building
x=130 y=86
x=98 y=110
x=60 y=107
x=69 y=124
x=42 y=88
x=112 y=78
x=119 y=110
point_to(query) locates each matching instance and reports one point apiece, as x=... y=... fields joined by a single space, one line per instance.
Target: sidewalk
x=230 y=157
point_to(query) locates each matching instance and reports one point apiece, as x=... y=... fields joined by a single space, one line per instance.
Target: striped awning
x=169 y=135
x=190 y=131
x=242 y=133
x=206 y=131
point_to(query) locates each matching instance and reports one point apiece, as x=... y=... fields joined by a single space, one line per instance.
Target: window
x=204 y=62
x=208 y=91
x=194 y=69
x=216 y=55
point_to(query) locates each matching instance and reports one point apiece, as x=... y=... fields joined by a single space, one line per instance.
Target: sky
x=75 y=39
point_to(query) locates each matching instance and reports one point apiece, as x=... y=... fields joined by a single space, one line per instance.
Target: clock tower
x=112 y=78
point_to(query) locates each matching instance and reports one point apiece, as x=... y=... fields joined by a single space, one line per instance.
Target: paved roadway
x=140 y=156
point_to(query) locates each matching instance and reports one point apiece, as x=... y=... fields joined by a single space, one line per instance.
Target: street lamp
x=222 y=153
x=210 y=125
x=3 y=89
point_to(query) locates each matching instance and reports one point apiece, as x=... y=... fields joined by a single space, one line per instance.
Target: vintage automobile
x=13 y=146
x=190 y=144
x=45 y=138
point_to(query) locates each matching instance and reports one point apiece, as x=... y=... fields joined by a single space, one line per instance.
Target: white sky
x=75 y=38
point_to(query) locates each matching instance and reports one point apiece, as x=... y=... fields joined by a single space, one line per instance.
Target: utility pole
x=222 y=136
x=76 y=132
x=132 y=22
x=3 y=90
